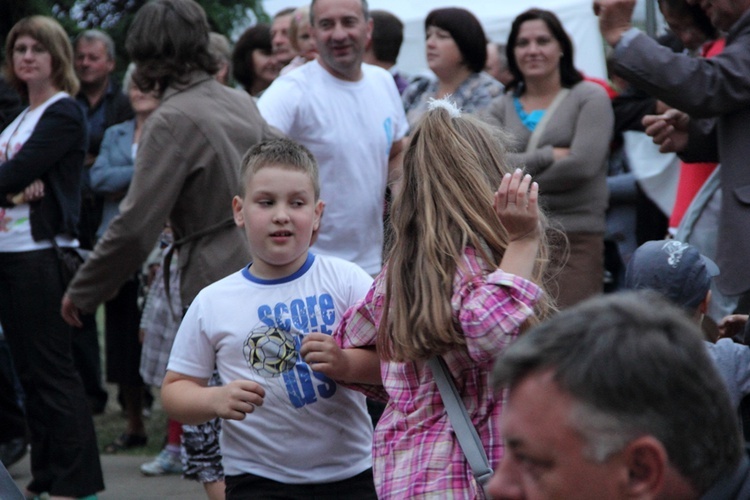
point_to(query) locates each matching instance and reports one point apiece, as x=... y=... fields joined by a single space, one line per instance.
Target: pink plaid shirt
x=415 y=452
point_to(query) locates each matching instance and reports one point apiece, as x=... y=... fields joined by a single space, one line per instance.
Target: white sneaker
x=165 y=462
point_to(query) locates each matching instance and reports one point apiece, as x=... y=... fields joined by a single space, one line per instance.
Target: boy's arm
x=357 y=366
x=189 y=400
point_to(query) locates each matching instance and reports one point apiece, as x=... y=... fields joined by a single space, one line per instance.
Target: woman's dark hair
x=257 y=37
x=569 y=75
x=168 y=40
x=466 y=31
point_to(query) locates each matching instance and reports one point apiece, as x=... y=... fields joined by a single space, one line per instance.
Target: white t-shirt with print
x=349 y=127
x=309 y=429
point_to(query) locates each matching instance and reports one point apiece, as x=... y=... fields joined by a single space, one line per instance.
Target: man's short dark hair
x=387 y=35
x=365 y=11
x=168 y=40
x=635 y=365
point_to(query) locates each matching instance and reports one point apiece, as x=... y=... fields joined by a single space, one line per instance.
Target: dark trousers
x=123 y=349
x=86 y=349
x=12 y=418
x=249 y=486
x=64 y=454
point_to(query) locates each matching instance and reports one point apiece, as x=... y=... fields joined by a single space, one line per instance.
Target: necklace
x=15 y=130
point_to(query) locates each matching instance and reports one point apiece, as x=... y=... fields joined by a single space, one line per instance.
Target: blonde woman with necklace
x=41 y=161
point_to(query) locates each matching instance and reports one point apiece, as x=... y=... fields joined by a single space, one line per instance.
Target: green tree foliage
x=115 y=16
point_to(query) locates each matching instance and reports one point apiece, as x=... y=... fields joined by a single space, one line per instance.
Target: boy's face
x=279 y=213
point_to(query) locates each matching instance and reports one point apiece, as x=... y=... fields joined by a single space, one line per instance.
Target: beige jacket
x=186 y=171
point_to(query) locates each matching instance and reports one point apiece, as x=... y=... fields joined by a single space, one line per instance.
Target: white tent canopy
x=496 y=16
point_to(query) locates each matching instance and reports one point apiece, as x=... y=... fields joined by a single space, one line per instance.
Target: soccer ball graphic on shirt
x=270 y=351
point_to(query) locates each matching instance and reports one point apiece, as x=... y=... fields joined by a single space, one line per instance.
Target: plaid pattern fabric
x=472 y=96
x=159 y=323
x=415 y=452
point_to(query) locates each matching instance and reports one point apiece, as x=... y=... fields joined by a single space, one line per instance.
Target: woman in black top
x=41 y=159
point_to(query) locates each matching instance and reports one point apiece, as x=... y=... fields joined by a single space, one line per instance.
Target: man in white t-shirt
x=350 y=116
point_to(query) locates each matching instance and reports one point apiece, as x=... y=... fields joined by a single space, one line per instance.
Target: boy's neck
x=268 y=273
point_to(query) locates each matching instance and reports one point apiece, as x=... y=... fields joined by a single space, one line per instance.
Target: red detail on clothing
x=611 y=92
x=692 y=177
x=174 y=432
x=713 y=47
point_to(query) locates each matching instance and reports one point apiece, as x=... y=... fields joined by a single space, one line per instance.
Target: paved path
x=125 y=481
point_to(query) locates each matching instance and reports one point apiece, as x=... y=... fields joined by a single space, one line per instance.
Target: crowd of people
x=300 y=262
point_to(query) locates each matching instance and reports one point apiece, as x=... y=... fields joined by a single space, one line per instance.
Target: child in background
x=287 y=432
x=160 y=320
x=463 y=277
x=678 y=271
x=301 y=39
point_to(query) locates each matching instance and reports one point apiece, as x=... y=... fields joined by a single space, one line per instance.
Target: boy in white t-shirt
x=288 y=432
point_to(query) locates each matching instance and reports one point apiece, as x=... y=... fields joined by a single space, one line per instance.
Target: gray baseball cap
x=675 y=269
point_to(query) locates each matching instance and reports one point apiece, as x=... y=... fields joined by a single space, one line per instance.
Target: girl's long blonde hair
x=451 y=170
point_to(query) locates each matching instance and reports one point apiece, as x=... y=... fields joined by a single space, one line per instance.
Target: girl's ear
x=239 y=219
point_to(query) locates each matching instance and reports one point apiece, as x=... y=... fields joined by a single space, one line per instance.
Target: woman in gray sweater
x=560 y=128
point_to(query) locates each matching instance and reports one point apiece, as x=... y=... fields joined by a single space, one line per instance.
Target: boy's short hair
x=282 y=153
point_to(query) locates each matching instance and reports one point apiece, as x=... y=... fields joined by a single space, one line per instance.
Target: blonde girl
x=301 y=39
x=463 y=277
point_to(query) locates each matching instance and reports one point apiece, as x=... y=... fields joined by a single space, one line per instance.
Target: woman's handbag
x=69 y=258
x=466 y=433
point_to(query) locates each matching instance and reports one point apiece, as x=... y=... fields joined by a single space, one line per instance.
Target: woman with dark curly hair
x=456 y=49
x=254 y=65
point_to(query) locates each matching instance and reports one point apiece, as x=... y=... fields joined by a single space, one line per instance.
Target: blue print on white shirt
x=268 y=348
x=388 y=127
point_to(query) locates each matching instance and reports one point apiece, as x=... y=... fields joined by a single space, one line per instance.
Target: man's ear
x=239 y=219
x=370 y=27
x=703 y=306
x=647 y=462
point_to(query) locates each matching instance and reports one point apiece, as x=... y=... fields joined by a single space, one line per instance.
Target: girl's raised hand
x=516 y=204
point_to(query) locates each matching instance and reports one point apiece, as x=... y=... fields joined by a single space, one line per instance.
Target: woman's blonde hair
x=451 y=170
x=53 y=38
